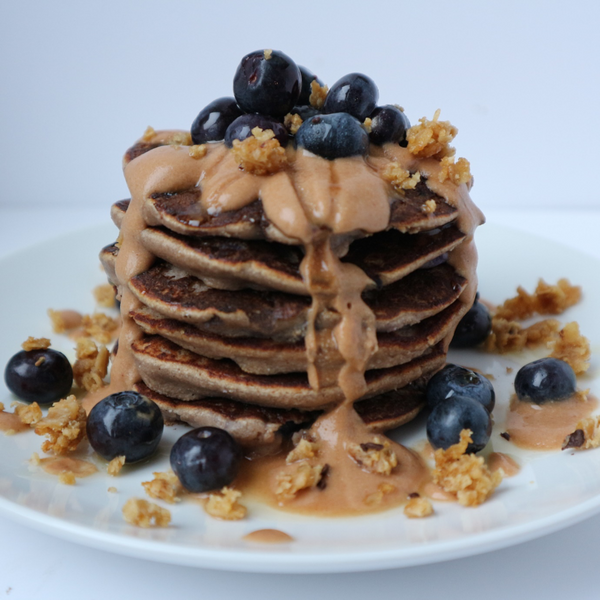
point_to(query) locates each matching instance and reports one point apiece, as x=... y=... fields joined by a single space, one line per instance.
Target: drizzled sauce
x=268 y=536
x=319 y=204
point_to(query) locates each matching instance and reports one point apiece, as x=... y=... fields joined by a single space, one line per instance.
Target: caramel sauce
x=268 y=536
x=55 y=465
x=499 y=460
x=10 y=423
x=545 y=426
x=319 y=204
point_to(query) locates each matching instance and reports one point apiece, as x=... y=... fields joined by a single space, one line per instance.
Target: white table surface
x=36 y=566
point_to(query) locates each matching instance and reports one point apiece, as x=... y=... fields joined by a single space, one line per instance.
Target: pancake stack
x=217 y=319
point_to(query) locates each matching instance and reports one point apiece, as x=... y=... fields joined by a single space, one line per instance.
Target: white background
x=80 y=81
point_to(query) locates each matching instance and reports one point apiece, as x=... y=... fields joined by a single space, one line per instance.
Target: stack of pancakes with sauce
x=258 y=303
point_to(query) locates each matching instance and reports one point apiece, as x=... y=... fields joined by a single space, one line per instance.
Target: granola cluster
x=431 y=139
x=64 y=426
x=261 y=153
x=318 y=93
x=91 y=365
x=32 y=343
x=417 y=507
x=105 y=295
x=145 y=514
x=400 y=178
x=303 y=476
x=464 y=475
x=165 y=486
x=224 y=505
x=375 y=457
x=292 y=122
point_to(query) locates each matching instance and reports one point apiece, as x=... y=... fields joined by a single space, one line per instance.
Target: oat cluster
x=400 y=178
x=30 y=414
x=32 y=343
x=105 y=295
x=304 y=449
x=198 y=151
x=292 y=122
x=91 y=365
x=376 y=498
x=431 y=139
x=100 y=327
x=464 y=475
x=417 y=507
x=65 y=320
x=374 y=457
x=260 y=154
x=304 y=476
x=429 y=207
x=145 y=514
x=318 y=93
x=115 y=466
x=64 y=426
x=149 y=134
x=165 y=486
x=455 y=171
x=225 y=505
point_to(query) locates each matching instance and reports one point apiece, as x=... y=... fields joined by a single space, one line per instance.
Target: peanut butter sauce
x=499 y=460
x=545 y=426
x=268 y=536
x=320 y=204
x=55 y=465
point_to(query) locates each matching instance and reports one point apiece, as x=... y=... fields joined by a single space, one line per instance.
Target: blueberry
x=213 y=120
x=269 y=86
x=306 y=90
x=125 y=424
x=42 y=376
x=473 y=328
x=305 y=112
x=388 y=124
x=449 y=418
x=453 y=380
x=206 y=459
x=355 y=94
x=242 y=128
x=544 y=380
x=333 y=136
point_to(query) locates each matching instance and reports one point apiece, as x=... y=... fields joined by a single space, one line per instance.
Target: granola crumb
x=181 y=138
x=511 y=336
x=465 y=475
x=145 y=514
x=546 y=300
x=304 y=476
x=376 y=498
x=105 y=295
x=115 y=466
x=91 y=365
x=457 y=172
x=67 y=478
x=304 y=449
x=112 y=490
x=32 y=343
x=418 y=507
x=429 y=207
x=573 y=348
x=432 y=138
x=198 y=151
x=261 y=153
x=148 y=134
x=64 y=320
x=35 y=460
x=292 y=122
x=374 y=457
x=64 y=425
x=318 y=94
x=165 y=486
x=400 y=178
x=224 y=505
x=585 y=436
x=368 y=124
x=509 y=370
x=267 y=54
x=30 y=414
x=98 y=326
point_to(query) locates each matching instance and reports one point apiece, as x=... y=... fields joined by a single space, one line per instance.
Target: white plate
x=552 y=491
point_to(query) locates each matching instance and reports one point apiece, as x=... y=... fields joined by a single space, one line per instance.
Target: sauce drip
x=268 y=536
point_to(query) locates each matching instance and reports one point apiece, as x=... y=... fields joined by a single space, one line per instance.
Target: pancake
x=171 y=370
x=265 y=356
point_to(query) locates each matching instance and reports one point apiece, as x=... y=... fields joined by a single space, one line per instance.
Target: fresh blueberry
x=355 y=94
x=242 y=128
x=388 y=124
x=307 y=78
x=544 y=380
x=213 y=120
x=473 y=328
x=206 y=459
x=453 y=380
x=333 y=136
x=125 y=424
x=449 y=418
x=305 y=112
x=42 y=376
x=269 y=86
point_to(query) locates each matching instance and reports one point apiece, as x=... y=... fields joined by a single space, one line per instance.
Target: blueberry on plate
x=388 y=125
x=242 y=127
x=473 y=328
x=333 y=136
x=355 y=94
x=449 y=418
x=306 y=90
x=125 y=424
x=453 y=380
x=544 y=380
x=267 y=82
x=213 y=120
x=42 y=376
x=206 y=458
x=305 y=112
